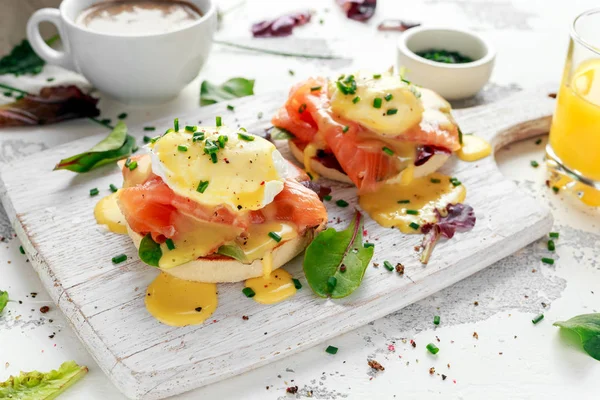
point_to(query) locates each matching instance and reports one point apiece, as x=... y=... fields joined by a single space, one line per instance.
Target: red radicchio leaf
x=396 y=25
x=281 y=26
x=455 y=217
x=424 y=153
x=358 y=10
x=53 y=104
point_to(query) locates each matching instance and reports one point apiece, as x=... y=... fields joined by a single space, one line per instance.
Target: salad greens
x=23 y=60
x=233 y=251
x=149 y=251
x=42 y=385
x=280 y=133
x=337 y=257
x=587 y=326
x=116 y=146
x=444 y=56
x=232 y=89
x=3 y=300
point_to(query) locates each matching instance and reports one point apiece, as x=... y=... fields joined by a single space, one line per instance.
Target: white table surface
x=512 y=358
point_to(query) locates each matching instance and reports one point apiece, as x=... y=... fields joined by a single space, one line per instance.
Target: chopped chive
x=412 y=212
x=119 y=259
x=213 y=157
x=210 y=147
x=149 y=128
x=147 y=139
x=122 y=116
x=297 y=283
x=331 y=283
x=553 y=235
x=436 y=320
x=555 y=189
x=230 y=107
x=537 y=319
x=198 y=136
x=170 y=244
x=50 y=80
x=202 y=186
x=432 y=348
x=113 y=188
x=176 y=124
x=341 y=203
x=94 y=191
x=415 y=226
x=169 y=130
x=331 y=350
x=388 y=151
x=434 y=180
x=291 y=72
x=218 y=121
x=182 y=147
x=259 y=115
x=327 y=197
x=191 y=128
x=455 y=182
x=247 y=138
x=403 y=201
x=546 y=260
x=275 y=236
x=551 y=245
x=534 y=164
x=388 y=265
x=154 y=139
x=377 y=102
x=21 y=249
x=391 y=111
x=248 y=292
x=405 y=81
x=310 y=176
x=388 y=97
x=302 y=108
x=315 y=88
x=105 y=121
x=539 y=141
x=243 y=129
x=368 y=244
x=356 y=99
x=460 y=135
x=376 y=76
x=8 y=94
x=222 y=140
x=133 y=165
x=345 y=128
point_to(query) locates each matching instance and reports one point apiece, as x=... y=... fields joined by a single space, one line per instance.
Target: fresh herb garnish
x=434 y=180
x=554 y=235
x=414 y=225
x=551 y=246
x=191 y=128
x=388 y=151
x=119 y=259
x=230 y=107
x=345 y=128
x=21 y=250
x=280 y=133
x=232 y=89
x=356 y=99
x=149 y=251
x=377 y=102
x=176 y=124
x=547 y=260
x=248 y=292
x=341 y=203
x=332 y=249
x=94 y=192
x=297 y=283
x=432 y=348
x=302 y=108
x=537 y=318
x=436 y=320
x=147 y=139
x=412 y=212
x=392 y=111
x=182 y=148
x=315 y=88
x=455 y=181
x=122 y=116
x=23 y=60
x=331 y=350
x=170 y=244
x=234 y=251
x=444 y=56
x=149 y=128
x=218 y=121
x=116 y=146
x=460 y=135
x=327 y=197
x=388 y=265
x=3 y=302
x=534 y=164
x=132 y=165
x=246 y=137
x=275 y=236
x=113 y=188
x=403 y=201
x=388 y=97
x=587 y=326
x=222 y=139
x=368 y=244
x=202 y=186
x=376 y=76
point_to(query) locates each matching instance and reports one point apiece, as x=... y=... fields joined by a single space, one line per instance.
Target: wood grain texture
x=52 y=214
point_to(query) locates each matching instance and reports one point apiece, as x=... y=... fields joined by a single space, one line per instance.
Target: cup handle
x=47 y=53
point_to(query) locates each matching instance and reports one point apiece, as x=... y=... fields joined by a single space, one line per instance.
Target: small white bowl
x=451 y=81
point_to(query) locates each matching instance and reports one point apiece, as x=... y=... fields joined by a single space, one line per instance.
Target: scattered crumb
x=413 y=343
x=245 y=318
x=476 y=303
x=475 y=335
x=552 y=95
x=292 y=389
x=400 y=269
x=44 y=309
x=431 y=370
x=376 y=265
x=448 y=365
x=375 y=365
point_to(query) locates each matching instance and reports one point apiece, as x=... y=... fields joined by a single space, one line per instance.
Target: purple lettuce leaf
x=358 y=10
x=424 y=153
x=281 y=26
x=455 y=217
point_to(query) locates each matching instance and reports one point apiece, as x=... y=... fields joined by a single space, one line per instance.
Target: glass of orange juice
x=574 y=146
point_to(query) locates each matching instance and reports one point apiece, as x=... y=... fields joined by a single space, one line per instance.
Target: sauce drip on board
x=177 y=302
x=473 y=148
x=271 y=289
x=402 y=205
x=108 y=214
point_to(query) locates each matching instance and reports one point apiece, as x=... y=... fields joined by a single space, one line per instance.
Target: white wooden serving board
x=52 y=214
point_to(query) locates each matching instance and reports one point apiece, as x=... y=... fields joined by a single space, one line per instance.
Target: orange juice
x=575 y=132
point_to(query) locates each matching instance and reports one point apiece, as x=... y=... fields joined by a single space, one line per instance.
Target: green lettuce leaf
x=36 y=385
x=3 y=300
x=333 y=252
x=233 y=251
x=116 y=146
x=232 y=89
x=587 y=326
x=150 y=251
x=23 y=60
x=280 y=133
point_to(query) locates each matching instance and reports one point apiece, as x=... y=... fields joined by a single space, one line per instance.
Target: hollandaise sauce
x=108 y=214
x=408 y=206
x=473 y=148
x=178 y=302
x=273 y=288
x=263 y=238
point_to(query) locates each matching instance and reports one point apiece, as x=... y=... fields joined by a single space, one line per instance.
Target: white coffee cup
x=146 y=68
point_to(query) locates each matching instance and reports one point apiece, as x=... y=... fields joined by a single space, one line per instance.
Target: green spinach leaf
x=232 y=89
x=42 y=385
x=587 y=326
x=339 y=255
x=116 y=146
x=280 y=133
x=233 y=251
x=23 y=60
x=3 y=300
x=149 y=251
